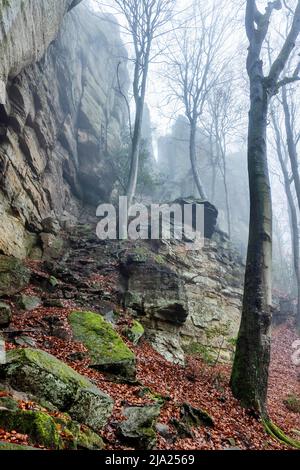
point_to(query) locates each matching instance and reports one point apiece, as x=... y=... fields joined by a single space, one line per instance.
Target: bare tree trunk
x=249 y=379
x=250 y=369
x=291 y=144
x=194 y=163
x=213 y=184
x=135 y=153
x=224 y=175
x=293 y=214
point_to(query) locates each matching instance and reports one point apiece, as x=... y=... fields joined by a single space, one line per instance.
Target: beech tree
x=249 y=378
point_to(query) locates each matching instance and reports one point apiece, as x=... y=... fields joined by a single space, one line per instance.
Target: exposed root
x=279 y=435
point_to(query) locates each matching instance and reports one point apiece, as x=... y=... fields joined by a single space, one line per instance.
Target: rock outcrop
x=60 y=115
x=186 y=299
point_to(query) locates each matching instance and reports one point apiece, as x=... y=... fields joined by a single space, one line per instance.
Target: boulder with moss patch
x=47 y=378
x=14 y=276
x=134 y=332
x=40 y=427
x=53 y=432
x=192 y=416
x=107 y=350
x=138 y=429
x=10 y=446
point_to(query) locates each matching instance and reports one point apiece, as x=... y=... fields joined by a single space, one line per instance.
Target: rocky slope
x=60 y=115
x=70 y=314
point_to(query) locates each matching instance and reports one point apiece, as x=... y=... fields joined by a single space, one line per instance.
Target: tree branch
x=289 y=44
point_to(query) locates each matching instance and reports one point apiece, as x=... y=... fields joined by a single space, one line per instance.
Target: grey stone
x=5 y=315
x=163 y=430
x=29 y=302
x=139 y=427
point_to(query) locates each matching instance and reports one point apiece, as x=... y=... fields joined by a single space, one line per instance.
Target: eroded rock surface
x=60 y=116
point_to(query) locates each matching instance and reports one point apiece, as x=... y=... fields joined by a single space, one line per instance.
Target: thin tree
x=283 y=158
x=223 y=116
x=194 y=63
x=144 y=21
x=249 y=378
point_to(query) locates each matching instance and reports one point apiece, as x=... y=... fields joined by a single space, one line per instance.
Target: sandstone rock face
x=60 y=117
x=27 y=30
x=186 y=298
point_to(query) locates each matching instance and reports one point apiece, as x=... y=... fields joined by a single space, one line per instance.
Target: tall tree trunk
x=135 y=153
x=291 y=144
x=249 y=378
x=193 y=158
x=139 y=93
x=293 y=213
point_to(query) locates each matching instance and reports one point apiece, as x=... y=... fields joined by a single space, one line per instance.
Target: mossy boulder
x=50 y=431
x=40 y=427
x=76 y=436
x=139 y=428
x=29 y=302
x=107 y=350
x=46 y=378
x=5 y=315
x=134 y=332
x=14 y=276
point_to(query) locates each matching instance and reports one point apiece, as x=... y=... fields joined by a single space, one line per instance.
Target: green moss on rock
x=10 y=446
x=135 y=332
x=39 y=426
x=8 y=403
x=138 y=429
x=76 y=436
x=107 y=350
x=47 y=378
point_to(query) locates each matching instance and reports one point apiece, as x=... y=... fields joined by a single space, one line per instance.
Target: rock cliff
x=60 y=114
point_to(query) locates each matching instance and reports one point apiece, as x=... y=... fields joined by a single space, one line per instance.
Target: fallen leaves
x=197 y=384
